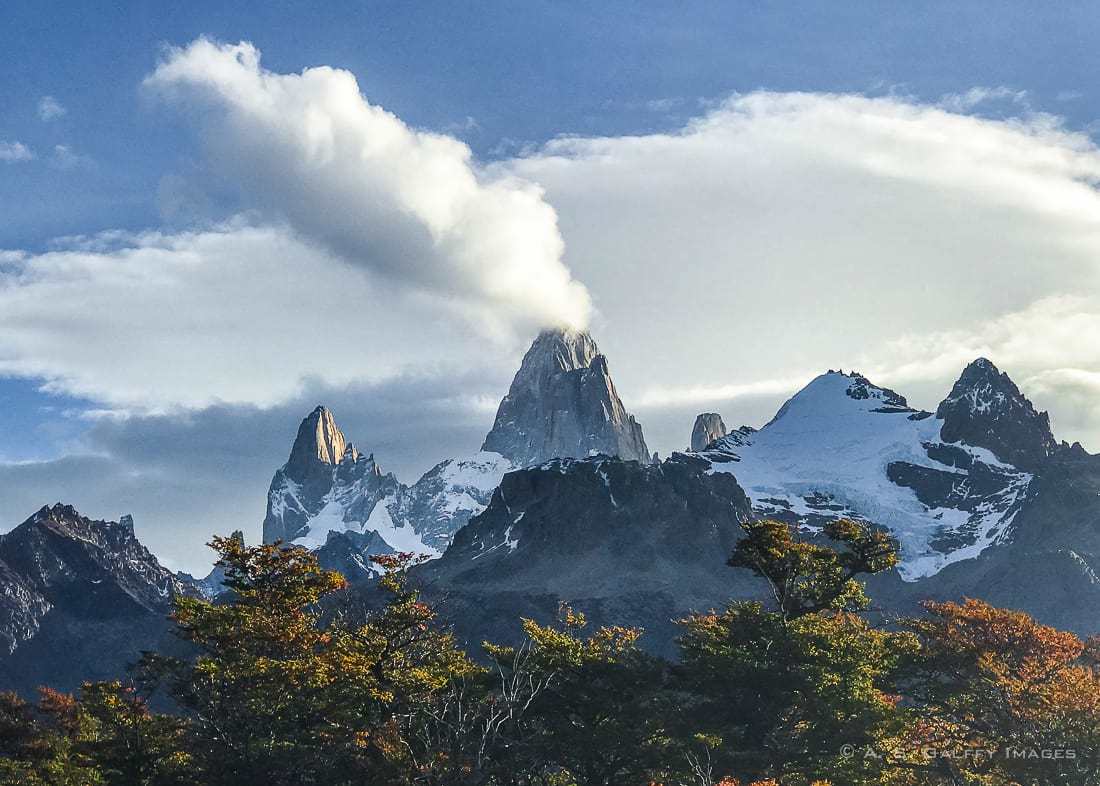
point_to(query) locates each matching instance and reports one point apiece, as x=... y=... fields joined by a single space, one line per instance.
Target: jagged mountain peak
x=985 y=408
x=79 y=598
x=319 y=440
x=984 y=386
x=67 y=521
x=322 y=464
x=561 y=349
x=562 y=403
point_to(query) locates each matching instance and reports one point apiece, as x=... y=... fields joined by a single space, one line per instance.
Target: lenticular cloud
x=411 y=205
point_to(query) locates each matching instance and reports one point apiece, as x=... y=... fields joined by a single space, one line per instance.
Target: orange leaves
x=1010 y=637
x=990 y=679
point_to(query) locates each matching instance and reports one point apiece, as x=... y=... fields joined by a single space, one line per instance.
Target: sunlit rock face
x=708 y=427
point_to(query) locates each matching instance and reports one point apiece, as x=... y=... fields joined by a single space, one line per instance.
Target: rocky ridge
x=79 y=598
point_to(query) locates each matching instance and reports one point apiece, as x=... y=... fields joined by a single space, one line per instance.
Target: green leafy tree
x=807 y=577
x=280 y=695
x=129 y=745
x=781 y=693
x=40 y=744
x=602 y=718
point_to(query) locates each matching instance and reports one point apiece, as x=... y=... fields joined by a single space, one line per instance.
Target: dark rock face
x=562 y=403
x=987 y=410
x=349 y=553
x=708 y=427
x=626 y=543
x=79 y=599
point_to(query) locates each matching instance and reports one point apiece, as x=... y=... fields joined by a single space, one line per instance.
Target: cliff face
x=562 y=403
x=708 y=427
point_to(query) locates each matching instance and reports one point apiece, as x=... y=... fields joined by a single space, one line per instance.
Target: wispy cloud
x=49 y=108
x=15 y=151
x=702 y=395
x=64 y=157
x=976 y=96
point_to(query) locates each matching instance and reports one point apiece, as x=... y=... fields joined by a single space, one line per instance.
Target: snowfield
x=826 y=454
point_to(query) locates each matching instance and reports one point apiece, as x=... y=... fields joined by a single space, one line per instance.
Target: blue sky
x=525 y=72
x=508 y=79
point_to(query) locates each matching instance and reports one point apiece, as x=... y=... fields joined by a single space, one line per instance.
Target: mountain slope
x=80 y=599
x=627 y=543
x=986 y=409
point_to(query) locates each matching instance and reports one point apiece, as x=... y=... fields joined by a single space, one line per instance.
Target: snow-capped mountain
x=562 y=402
x=452 y=492
x=986 y=409
x=328 y=487
x=945 y=485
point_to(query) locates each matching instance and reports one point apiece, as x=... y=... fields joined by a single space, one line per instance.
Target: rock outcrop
x=626 y=543
x=708 y=427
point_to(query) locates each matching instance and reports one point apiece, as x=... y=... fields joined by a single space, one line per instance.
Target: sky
x=216 y=217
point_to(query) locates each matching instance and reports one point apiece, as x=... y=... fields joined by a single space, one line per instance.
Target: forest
x=291 y=677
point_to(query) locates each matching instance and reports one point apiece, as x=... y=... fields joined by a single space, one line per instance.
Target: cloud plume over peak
x=413 y=206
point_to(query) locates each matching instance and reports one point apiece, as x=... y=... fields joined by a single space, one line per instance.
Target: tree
x=781 y=694
x=127 y=743
x=603 y=717
x=806 y=577
x=280 y=695
x=39 y=743
x=1002 y=699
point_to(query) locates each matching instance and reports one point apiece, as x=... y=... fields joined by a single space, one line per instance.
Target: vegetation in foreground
x=283 y=689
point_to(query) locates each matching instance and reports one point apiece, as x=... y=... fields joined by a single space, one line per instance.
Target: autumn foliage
x=291 y=678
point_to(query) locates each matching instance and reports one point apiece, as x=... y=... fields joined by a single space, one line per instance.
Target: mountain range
x=564 y=502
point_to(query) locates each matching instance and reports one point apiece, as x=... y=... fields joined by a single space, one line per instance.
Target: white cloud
x=414 y=206
x=1048 y=348
x=236 y=314
x=49 y=108
x=771 y=238
x=782 y=234
x=15 y=151
x=659 y=396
